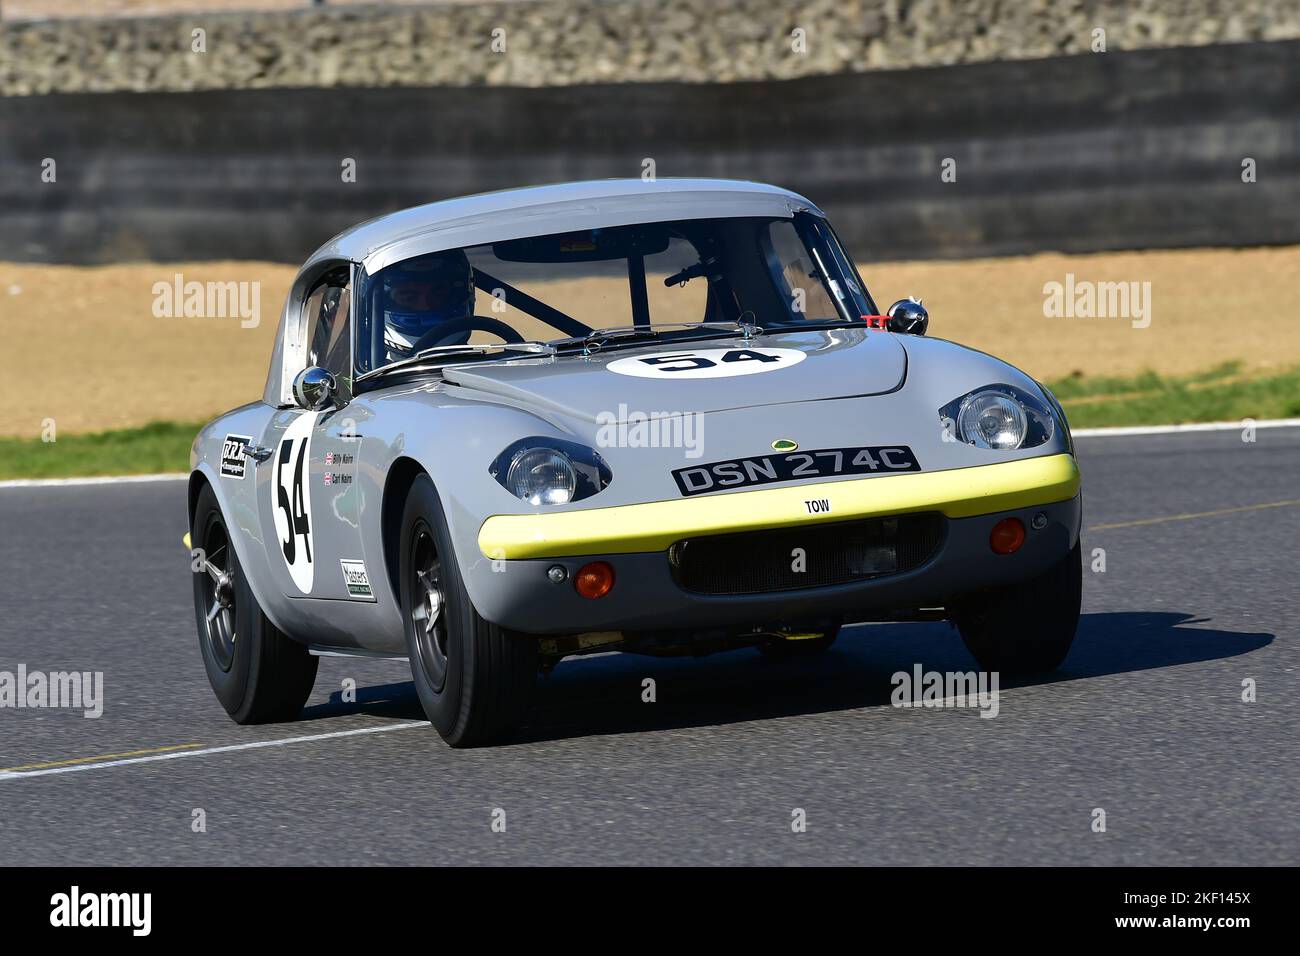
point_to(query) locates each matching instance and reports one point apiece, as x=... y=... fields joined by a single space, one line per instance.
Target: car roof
x=561 y=207
x=517 y=214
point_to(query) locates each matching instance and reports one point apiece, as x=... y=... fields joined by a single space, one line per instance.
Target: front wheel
x=474 y=679
x=1025 y=628
x=259 y=675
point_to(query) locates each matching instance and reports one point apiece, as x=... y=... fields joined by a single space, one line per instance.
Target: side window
x=797 y=274
x=329 y=330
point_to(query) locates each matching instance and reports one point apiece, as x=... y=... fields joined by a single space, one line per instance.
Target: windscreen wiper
x=430 y=355
x=817 y=325
x=597 y=339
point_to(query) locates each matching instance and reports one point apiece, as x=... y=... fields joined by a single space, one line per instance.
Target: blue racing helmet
x=422 y=293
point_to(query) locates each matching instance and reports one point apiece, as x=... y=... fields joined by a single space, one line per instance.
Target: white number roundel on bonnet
x=706 y=363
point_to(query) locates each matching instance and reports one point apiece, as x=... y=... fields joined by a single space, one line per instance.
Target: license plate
x=793 y=466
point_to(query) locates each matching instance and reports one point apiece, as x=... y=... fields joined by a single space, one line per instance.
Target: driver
x=422 y=293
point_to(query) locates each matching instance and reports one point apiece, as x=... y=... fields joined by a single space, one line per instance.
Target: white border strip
x=178 y=755
x=1174 y=429
x=75 y=482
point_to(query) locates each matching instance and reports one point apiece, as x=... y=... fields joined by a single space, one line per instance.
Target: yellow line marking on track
x=68 y=763
x=1198 y=514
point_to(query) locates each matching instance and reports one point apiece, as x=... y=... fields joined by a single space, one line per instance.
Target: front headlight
x=990 y=420
x=550 y=471
x=998 y=417
x=542 y=476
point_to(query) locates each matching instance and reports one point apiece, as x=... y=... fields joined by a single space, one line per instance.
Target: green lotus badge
x=784 y=444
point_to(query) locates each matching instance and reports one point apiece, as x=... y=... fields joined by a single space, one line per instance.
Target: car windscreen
x=765 y=271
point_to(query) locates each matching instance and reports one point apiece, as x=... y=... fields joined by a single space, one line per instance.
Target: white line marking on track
x=98 y=480
x=230 y=748
x=1174 y=429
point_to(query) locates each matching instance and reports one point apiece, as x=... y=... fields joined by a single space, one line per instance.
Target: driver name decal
x=706 y=363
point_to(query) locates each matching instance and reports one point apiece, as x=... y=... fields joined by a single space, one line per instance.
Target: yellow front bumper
x=653 y=526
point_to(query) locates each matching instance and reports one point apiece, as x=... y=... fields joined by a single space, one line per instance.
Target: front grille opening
x=813 y=556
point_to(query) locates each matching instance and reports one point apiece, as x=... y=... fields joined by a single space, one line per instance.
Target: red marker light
x=1007 y=536
x=595 y=580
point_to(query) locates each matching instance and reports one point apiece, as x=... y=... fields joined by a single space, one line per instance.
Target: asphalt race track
x=1146 y=720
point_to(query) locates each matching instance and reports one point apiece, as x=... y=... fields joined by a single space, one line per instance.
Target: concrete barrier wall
x=583 y=42
x=1087 y=152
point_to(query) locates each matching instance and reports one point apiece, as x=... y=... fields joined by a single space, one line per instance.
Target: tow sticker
x=291 y=500
x=706 y=363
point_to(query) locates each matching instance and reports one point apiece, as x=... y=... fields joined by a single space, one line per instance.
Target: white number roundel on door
x=706 y=363
x=291 y=501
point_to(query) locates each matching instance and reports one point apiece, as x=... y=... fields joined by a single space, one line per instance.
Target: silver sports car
x=656 y=417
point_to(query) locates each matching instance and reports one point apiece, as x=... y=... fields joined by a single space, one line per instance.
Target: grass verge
x=1222 y=394
x=1219 y=395
x=152 y=449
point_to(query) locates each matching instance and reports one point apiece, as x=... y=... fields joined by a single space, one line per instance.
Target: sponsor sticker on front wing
x=232 y=456
x=358 y=582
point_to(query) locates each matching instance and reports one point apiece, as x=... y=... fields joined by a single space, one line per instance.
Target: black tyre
x=1026 y=628
x=474 y=679
x=801 y=647
x=258 y=674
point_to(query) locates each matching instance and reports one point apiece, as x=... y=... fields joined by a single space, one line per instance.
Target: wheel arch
x=198 y=481
x=401 y=476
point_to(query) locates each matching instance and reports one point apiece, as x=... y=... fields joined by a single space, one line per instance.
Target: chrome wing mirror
x=315 y=389
x=908 y=315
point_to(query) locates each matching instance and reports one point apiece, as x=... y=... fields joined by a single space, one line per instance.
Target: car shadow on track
x=395 y=700
x=603 y=694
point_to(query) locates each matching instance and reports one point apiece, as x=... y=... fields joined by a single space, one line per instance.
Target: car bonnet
x=701 y=376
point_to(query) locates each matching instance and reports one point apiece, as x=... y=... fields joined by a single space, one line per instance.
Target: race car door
x=308 y=504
